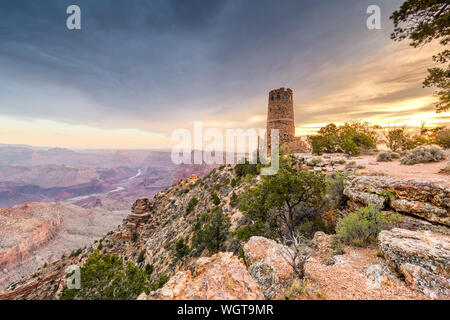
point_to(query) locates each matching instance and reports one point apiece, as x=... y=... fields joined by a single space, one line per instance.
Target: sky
x=138 y=70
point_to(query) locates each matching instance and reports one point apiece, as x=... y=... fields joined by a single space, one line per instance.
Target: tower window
x=272 y=97
x=278 y=97
x=285 y=96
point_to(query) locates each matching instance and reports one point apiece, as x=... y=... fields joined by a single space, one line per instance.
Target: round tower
x=280 y=114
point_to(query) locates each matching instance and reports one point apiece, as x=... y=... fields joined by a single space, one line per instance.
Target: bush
x=387 y=156
x=211 y=231
x=235 y=182
x=162 y=280
x=141 y=256
x=349 y=138
x=423 y=154
x=75 y=253
x=363 y=226
x=336 y=198
x=234 y=200
x=104 y=277
x=443 y=138
x=244 y=233
x=310 y=227
x=191 y=205
x=215 y=199
x=243 y=169
x=149 y=269
x=181 y=249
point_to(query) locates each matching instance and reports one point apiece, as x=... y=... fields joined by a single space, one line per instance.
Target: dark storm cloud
x=153 y=64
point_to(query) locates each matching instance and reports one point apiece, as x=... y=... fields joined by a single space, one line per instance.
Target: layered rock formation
x=419 y=198
x=220 y=277
x=33 y=234
x=353 y=273
x=421 y=257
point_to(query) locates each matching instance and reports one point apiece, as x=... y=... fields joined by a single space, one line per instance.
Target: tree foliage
x=363 y=226
x=422 y=21
x=283 y=200
x=348 y=138
x=211 y=230
x=106 y=277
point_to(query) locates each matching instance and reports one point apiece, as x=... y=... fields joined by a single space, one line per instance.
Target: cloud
x=160 y=65
x=383 y=88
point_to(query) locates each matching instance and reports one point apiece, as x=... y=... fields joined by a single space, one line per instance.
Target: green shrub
x=387 y=194
x=244 y=233
x=235 y=182
x=75 y=253
x=387 y=156
x=134 y=236
x=105 y=277
x=215 y=199
x=181 y=249
x=348 y=138
x=149 y=269
x=309 y=227
x=423 y=154
x=141 y=256
x=191 y=205
x=211 y=231
x=443 y=138
x=363 y=226
x=234 y=200
x=336 y=198
x=162 y=280
x=245 y=168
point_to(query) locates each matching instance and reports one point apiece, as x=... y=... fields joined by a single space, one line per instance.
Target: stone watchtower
x=280 y=115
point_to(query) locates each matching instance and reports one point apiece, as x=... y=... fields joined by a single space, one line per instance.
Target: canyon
x=53 y=201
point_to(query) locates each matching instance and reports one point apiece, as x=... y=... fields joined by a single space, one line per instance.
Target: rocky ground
x=368 y=165
x=409 y=262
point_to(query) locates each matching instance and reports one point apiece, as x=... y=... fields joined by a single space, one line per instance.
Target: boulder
x=268 y=266
x=419 y=198
x=219 y=277
x=422 y=257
